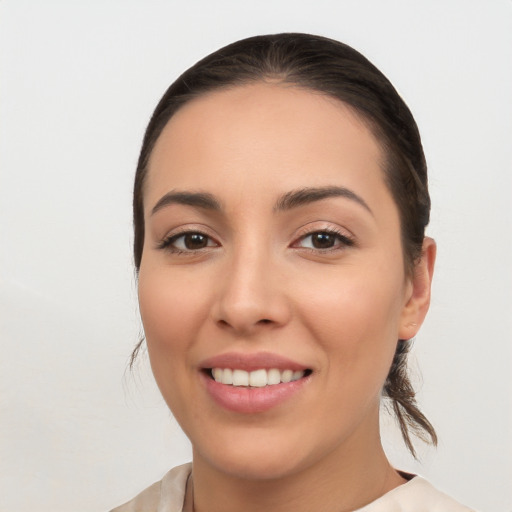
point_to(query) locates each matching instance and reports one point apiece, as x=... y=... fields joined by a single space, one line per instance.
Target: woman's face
x=272 y=251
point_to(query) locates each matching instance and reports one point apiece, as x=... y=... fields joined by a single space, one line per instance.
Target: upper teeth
x=257 y=378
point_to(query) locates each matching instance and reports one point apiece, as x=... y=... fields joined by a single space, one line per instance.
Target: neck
x=346 y=479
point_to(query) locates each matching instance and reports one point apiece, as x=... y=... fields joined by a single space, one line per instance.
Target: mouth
x=259 y=378
x=253 y=383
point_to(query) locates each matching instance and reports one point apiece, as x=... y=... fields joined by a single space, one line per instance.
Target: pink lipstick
x=252 y=383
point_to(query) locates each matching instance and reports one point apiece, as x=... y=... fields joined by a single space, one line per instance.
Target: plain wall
x=78 y=82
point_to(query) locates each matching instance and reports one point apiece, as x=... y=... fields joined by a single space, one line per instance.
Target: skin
x=261 y=286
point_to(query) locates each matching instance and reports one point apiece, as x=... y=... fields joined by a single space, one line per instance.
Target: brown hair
x=337 y=70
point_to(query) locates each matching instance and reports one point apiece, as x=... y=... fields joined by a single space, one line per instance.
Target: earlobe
x=418 y=298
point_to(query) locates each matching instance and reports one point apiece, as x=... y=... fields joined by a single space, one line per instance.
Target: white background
x=78 y=83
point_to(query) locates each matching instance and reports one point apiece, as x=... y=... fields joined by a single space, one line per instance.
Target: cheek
x=355 y=317
x=171 y=311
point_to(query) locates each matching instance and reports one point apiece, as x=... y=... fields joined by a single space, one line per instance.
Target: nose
x=252 y=295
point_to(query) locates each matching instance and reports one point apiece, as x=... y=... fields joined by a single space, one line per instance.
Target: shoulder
x=167 y=494
x=419 y=495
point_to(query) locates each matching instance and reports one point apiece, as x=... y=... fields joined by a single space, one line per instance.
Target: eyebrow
x=288 y=201
x=196 y=199
x=304 y=196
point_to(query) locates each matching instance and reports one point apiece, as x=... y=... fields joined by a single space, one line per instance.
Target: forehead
x=264 y=132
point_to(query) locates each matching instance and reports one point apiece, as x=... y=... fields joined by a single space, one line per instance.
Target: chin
x=258 y=456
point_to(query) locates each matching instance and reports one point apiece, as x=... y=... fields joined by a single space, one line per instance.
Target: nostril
x=265 y=321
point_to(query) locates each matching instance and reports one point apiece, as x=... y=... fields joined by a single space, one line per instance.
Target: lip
x=251 y=362
x=251 y=400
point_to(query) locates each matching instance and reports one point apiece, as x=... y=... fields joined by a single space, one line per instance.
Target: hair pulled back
x=336 y=70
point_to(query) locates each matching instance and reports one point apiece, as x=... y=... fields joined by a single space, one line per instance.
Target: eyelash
x=343 y=241
x=167 y=243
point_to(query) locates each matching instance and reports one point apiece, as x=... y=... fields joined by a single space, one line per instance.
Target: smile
x=253 y=383
x=257 y=378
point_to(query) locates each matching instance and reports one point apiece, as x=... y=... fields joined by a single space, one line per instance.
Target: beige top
x=417 y=495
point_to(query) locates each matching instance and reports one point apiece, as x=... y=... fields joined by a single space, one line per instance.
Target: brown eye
x=187 y=242
x=193 y=241
x=324 y=240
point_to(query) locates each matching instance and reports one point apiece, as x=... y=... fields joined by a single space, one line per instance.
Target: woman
x=280 y=205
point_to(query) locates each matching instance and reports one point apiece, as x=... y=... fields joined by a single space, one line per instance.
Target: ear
x=417 y=300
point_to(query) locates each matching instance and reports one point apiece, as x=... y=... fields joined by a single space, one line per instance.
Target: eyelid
x=344 y=236
x=165 y=243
